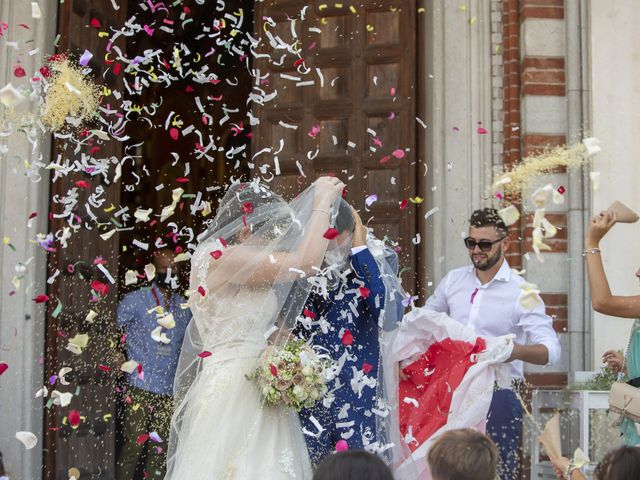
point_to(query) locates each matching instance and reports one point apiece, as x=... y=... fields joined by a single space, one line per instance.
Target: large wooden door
x=73 y=273
x=345 y=105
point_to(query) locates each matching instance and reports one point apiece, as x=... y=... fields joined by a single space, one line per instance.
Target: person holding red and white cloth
x=463 y=353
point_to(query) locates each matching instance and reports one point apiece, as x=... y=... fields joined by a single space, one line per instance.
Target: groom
x=344 y=324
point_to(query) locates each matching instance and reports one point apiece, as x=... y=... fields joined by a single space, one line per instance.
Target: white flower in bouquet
x=293 y=375
x=299 y=392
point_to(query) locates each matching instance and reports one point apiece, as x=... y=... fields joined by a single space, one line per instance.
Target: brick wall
x=534 y=106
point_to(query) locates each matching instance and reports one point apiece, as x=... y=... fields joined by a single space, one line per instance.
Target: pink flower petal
x=331 y=233
x=399 y=153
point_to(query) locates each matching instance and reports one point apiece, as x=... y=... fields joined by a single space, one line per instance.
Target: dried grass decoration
x=71 y=97
x=516 y=180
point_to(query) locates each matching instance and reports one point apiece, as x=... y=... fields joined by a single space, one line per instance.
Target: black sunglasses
x=485 y=245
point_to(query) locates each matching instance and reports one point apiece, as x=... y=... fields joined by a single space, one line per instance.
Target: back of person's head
x=463 y=454
x=620 y=464
x=488 y=217
x=352 y=465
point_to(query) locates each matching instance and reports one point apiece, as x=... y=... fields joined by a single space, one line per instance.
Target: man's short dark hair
x=489 y=217
x=352 y=465
x=344 y=220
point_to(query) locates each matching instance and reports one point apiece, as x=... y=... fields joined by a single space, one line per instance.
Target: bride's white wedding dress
x=225 y=432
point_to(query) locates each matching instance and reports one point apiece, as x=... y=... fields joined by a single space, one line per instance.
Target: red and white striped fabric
x=451 y=373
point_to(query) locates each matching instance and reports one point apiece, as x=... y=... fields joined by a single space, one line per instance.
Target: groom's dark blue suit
x=350 y=314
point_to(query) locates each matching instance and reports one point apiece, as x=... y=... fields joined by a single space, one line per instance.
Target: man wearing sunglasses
x=486 y=296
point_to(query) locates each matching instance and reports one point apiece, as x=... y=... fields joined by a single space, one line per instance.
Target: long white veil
x=259 y=252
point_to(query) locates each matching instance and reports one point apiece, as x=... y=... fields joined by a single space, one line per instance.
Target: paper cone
x=623 y=213
x=550 y=437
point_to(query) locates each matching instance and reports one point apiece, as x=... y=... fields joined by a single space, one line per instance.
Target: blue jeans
x=504 y=427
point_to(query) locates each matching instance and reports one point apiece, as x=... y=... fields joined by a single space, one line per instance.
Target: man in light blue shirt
x=153 y=339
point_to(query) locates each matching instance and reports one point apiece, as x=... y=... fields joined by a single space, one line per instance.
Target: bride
x=251 y=275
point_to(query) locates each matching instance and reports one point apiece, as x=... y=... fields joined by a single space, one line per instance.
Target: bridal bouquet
x=292 y=375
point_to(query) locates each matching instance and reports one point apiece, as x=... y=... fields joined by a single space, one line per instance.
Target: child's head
x=463 y=454
x=352 y=465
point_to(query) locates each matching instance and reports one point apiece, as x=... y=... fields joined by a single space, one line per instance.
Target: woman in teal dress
x=630 y=434
x=603 y=301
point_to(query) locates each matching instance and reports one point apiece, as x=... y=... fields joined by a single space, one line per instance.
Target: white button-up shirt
x=494 y=309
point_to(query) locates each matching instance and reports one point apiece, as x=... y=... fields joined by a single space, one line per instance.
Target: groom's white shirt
x=494 y=309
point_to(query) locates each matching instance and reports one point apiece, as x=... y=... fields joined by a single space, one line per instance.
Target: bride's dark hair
x=251 y=201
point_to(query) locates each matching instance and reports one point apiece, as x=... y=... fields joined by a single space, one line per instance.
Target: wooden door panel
x=362 y=99
x=90 y=447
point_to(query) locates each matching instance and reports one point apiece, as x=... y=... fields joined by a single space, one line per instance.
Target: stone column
x=459 y=101
x=22 y=323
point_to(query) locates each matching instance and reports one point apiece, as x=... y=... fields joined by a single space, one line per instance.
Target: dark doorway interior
x=370 y=83
x=154 y=161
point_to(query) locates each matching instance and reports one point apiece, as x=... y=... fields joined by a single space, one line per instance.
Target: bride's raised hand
x=327 y=189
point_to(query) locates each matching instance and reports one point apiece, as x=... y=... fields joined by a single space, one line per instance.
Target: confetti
x=28 y=439
x=371 y=199
x=10 y=97
x=331 y=233
x=150 y=271
x=509 y=215
x=61 y=399
x=129 y=366
x=85 y=58
x=341 y=446
x=530 y=296
x=36 y=13
x=592 y=146
x=315 y=130
x=74 y=418
x=347 y=338
x=78 y=343
x=42 y=298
